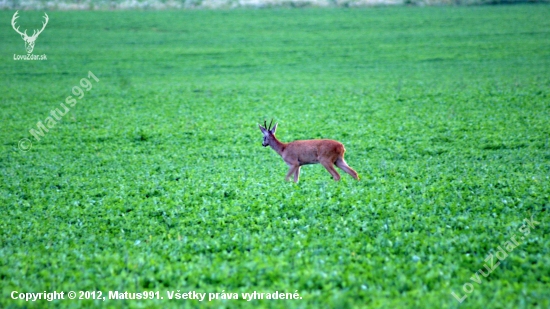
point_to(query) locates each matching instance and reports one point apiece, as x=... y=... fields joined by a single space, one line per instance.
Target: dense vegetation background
x=225 y=4
x=156 y=179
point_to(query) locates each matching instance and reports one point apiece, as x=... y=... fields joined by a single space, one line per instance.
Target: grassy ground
x=156 y=179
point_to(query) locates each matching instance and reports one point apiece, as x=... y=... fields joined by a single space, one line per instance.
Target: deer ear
x=262 y=129
x=274 y=128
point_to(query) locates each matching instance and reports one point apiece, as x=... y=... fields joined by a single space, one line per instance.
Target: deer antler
x=34 y=33
x=13 y=25
x=270 y=124
x=43 y=25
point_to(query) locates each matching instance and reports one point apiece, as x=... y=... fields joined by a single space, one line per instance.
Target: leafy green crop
x=156 y=179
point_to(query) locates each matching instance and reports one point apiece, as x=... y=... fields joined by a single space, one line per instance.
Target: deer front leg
x=291 y=171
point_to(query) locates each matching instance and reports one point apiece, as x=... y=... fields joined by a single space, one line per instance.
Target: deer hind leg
x=341 y=163
x=330 y=168
x=297 y=174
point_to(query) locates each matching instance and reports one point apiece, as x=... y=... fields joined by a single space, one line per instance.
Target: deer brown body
x=295 y=154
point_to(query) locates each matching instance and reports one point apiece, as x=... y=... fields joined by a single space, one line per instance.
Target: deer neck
x=277 y=145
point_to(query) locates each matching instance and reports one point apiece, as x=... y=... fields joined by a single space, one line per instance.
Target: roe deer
x=325 y=151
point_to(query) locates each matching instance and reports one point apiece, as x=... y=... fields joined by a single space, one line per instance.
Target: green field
x=156 y=179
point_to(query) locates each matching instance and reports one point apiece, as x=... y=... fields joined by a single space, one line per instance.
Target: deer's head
x=29 y=40
x=269 y=133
